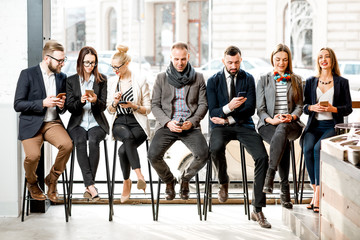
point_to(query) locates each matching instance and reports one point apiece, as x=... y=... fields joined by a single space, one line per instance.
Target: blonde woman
x=129 y=102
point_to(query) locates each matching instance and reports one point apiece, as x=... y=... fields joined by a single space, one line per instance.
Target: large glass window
x=112 y=29
x=75 y=29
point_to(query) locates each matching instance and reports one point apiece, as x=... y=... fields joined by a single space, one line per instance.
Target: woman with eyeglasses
x=86 y=101
x=129 y=102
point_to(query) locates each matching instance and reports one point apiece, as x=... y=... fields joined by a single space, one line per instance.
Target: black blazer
x=218 y=97
x=75 y=106
x=341 y=100
x=29 y=96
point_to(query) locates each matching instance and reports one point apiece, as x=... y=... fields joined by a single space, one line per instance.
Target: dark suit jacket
x=341 y=100
x=218 y=97
x=75 y=106
x=29 y=96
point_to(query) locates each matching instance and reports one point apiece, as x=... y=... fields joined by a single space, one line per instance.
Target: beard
x=232 y=73
x=56 y=69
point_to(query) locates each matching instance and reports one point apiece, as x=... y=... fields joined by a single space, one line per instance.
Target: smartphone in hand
x=60 y=95
x=241 y=94
x=324 y=103
x=89 y=92
x=180 y=123
x=123 y=102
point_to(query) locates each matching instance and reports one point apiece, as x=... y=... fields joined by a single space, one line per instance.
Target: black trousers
x=278 y=137
x=88 y=162
x=164 y=139
x=129 y=131
x=221 y=136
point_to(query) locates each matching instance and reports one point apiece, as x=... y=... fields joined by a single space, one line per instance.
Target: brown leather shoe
x=51 y=183
x=36 y=192
x=223 y=192
x=170 y=190
x=184 y=190
x=261 y=219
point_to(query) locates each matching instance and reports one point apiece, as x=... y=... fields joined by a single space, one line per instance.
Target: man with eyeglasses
x=178 y=104
x=40 y=98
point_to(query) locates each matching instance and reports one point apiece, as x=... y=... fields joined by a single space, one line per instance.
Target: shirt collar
x=91 y=79
x=43 y=71
x=227 y=74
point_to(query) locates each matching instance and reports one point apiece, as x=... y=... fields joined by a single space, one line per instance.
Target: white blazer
x=141 y=94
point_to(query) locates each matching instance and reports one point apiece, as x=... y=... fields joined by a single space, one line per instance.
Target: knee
x=32 y=157
x=66 y=146
x=94 y=143
x=203 y=155
x=216 y=148
x=153 y=155
x=122 y=151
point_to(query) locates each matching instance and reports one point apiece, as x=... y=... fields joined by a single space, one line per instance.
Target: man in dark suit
x=231 y=99
x=36 y=100
x=178 y=104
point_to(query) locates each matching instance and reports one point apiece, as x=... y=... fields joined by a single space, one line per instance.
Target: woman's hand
x=279 y=118
x=117 y=97
x=318 y=108
x=92 y=98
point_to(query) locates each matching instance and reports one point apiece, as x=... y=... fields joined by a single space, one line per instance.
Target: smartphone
x=241 y=94
x=89 y=92
x=123 y=102
x=60 y=95
x=180 y=123
x=324 y=103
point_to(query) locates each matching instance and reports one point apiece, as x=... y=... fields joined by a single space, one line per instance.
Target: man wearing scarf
x=178 y=104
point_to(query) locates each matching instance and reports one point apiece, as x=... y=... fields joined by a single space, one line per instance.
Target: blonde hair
x=335 y=69
x=51 y=46
x=121 y=54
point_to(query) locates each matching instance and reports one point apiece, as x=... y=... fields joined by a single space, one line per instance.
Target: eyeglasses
x=60 y=61
x=117 y=68
x=88 y=64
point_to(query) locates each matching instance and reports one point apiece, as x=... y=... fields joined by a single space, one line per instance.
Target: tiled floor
x=176 y=221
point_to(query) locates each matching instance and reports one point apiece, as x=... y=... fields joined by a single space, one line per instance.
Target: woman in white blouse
x=327 y=101
x=129 y=102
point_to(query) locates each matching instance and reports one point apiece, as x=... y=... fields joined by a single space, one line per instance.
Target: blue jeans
x=164 y=139
x=311 y=147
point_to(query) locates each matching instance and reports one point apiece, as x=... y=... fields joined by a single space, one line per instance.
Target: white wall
x=13 y=49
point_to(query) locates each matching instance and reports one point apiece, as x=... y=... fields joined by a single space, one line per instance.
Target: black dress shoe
x=223 y=193
x=170 y=190
x=184 y=190
x=261 y=219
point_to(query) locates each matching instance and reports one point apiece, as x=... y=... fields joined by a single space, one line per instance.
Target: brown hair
x=180 y=45
x=232 y=51
x=80 y=64
x=335 y=70
x=121 y=54
x=294 y=83
x=50 y=47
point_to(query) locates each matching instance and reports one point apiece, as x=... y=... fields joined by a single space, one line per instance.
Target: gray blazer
x=163 y=96
x=265 y=98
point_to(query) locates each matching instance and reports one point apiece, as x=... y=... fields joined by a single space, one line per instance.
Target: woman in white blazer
x=279 y=100
x=129 y=103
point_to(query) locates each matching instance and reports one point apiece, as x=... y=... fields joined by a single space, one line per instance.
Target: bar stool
x=209 y=182
x=198 y=201
x=111 y=199
x=27 y=198
x=71 y=179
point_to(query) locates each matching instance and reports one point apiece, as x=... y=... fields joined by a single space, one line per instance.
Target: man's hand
x=173 y=127
x=218 y=120
x=236 y=102
x=186 y=125
x=50 y=101
x=61 y=102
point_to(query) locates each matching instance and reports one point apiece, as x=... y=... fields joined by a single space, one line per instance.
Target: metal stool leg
x=108 y=178
x=111 y=200
x=302 y=176
x=158 y=200
x=207 y=185
x=65 y=202
x=292 y=152
x=71 y=179
x=198 y=195
x=245 y=185
x=151 y=184
x=23 y=201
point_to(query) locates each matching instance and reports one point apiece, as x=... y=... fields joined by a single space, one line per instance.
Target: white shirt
x=88 y=120
x=226 y=108
x=50 y=88
x=326 y=96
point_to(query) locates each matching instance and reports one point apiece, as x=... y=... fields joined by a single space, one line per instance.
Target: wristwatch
x=138 y=107
x=226 y=123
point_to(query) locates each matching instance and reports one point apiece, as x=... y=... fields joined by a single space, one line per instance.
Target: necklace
x=325 y=83
x=282 y=79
